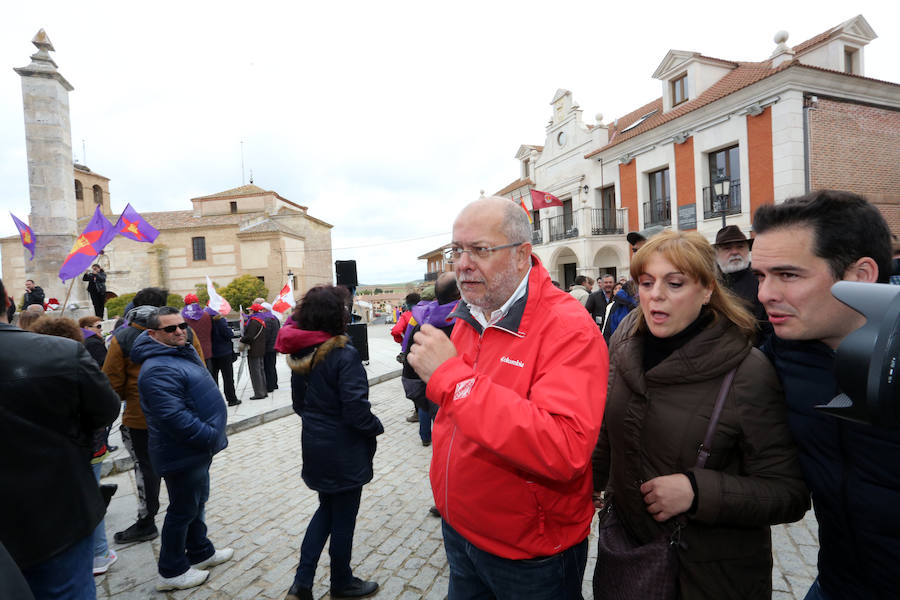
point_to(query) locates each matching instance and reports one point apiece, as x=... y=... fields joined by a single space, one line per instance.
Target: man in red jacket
x=519 y=414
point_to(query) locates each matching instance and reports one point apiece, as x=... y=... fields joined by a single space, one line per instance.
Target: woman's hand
x=668 y=496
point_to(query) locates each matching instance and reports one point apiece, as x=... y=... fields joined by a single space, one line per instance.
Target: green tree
x=242 y=290
x=116 y=306
x=378 y=291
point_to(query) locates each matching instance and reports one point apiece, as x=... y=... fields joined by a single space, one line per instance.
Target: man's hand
x=430 y=348
x=667 y=496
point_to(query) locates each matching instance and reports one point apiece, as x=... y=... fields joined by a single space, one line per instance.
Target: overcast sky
x=383 y=118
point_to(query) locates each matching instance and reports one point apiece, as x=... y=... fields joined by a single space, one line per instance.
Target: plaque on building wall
x=687 y=217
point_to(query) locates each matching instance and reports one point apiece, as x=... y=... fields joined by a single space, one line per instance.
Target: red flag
x=525 y=208
x=285 y=299
x=541 y=200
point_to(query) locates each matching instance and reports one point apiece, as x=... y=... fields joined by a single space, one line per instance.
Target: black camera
x=867 y=362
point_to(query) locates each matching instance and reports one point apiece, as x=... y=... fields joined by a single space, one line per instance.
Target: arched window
x=79 y=191
x=98 y=195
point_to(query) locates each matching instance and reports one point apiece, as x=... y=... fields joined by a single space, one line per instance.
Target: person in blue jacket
x=802 y=247
x=186 y=425
x=330 y=392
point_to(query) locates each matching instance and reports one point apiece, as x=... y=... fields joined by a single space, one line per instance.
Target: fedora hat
x=634 y=237
x=731 y=234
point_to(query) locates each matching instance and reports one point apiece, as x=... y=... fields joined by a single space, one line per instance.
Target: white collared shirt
x=498 y=314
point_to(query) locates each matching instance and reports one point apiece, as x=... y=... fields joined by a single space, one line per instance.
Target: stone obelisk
x=51 y=183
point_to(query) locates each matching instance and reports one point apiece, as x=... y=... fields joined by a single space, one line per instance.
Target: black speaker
x=346 y=272
x=360 y=338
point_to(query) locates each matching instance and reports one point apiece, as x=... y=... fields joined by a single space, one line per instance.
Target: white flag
x=216 y=302
x=285 y=299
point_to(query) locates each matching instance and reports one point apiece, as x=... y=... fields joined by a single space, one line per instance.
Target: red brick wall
x=628 y=191
x=855 y=148
x=760 y=165
x=684 y=173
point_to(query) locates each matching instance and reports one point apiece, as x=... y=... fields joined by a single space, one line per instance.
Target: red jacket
x=521 y=407
x=399 y=329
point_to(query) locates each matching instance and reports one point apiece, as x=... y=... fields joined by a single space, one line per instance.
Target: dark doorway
x=569 y=272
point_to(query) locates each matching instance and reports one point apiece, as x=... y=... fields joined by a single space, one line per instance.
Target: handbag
x=627 y=570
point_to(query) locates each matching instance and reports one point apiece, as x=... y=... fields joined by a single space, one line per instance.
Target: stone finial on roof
x=782 y=52
x=42 y=64
x=42 y=42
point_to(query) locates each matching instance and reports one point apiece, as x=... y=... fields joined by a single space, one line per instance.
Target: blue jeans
x=425 y=419
x=67 y=576
x=476 y=574
x=815 y=592
x=335 y=517
x=184 y=540
x=99 y=539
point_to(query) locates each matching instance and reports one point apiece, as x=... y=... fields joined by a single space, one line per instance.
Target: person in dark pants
x=331 y=394
x=271 y=356
x=186 y=422
x=223 y=357
x=254 y=339
x=52 y=398
x=96 y=279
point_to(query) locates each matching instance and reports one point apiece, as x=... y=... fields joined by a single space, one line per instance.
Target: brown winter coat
x=653 y=426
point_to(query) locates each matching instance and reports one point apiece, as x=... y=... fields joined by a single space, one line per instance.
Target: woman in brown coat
x=667 y=365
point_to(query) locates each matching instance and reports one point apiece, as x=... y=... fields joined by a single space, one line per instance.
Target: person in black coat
x=96 y=279
x=330 y=392
x=223 y=357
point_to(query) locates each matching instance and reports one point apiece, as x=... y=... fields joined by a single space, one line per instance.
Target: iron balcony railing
x=657 y=212
x=607 y=221
x=562 y=227
x=732 y=203
x=431 y=276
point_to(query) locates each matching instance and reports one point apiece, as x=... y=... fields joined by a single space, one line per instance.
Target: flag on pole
x=26 y=233
x=525 y=208
x=87 y=246
x=285 y=299
x=541 y=200
x=133 y=226
x=216 y=302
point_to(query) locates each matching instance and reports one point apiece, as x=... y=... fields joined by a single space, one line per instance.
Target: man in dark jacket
x=96 y=279
x=186 y=421
x=270 y=358
x=52 y=398
x=34 y=294
x=254 y=339
x=222 y=357
x=802 y=248
x=733 y=258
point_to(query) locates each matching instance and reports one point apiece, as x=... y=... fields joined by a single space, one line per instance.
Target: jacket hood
x=291 y=339
x=146 y=347
x=308 y=362
x=140 y=314
x=717 y=349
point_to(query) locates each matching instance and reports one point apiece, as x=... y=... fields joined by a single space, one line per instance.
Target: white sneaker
x=103 y=563
x=218 y=558
x=188 y=579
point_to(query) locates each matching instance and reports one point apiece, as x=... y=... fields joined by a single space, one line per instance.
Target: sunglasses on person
x=171 y=328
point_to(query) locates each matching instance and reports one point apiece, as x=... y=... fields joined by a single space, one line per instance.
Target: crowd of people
x=680 y=402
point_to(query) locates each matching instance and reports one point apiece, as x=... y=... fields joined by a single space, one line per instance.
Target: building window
x=657 y=209
x=98 y=195
x=525 y=169
x=199 y=246
x=79 y=190
x=679 y=90
x=567 y=214
x=849 y=59
x=233 y=206
x=261 y=278
x=536 y=220
x=723 y=163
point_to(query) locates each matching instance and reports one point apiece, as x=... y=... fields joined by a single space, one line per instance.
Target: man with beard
x=520 y=410
x=733 y=257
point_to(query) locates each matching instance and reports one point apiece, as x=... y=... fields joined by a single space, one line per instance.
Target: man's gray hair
x=153 y=318
x=515 y=224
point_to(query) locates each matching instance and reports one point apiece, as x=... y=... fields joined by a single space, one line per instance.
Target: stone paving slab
x=260 y=507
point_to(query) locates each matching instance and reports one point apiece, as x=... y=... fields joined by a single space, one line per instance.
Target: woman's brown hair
x=694 y=256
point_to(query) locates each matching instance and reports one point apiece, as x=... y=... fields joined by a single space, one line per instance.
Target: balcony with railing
x=562 y=227
x=537 y=237
x=607 y=221
x=657 y=212
x=732 y=203
x=431 y=276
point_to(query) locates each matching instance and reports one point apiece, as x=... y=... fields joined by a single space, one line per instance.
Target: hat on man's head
x=256 y=307
x=634 y=237
x=191 y=299
x=731 y=234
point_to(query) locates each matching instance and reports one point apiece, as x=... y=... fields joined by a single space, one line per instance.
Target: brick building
x=246 y=230
x=804 y=118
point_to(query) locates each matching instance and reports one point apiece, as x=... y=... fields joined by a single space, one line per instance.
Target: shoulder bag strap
x=706 y=446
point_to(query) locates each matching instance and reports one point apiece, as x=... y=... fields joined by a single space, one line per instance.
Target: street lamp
x=722 y=189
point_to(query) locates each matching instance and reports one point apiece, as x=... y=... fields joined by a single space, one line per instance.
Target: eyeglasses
x=171 y=328
x=453 y=254
x=97 y=325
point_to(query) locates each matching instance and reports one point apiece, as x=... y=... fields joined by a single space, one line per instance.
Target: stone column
x=48 y=140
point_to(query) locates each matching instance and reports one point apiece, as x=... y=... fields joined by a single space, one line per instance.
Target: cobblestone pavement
x=260 y=507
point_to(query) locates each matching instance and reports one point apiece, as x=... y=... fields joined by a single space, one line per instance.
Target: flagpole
x=66 y=301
